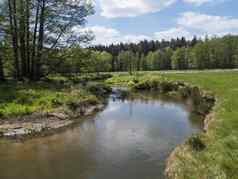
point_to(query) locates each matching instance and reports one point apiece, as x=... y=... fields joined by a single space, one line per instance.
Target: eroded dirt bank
x=39 y=122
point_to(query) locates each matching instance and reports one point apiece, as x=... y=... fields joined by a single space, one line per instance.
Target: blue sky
x=134 y=20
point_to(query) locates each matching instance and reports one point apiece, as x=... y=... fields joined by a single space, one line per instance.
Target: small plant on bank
x=196 y=143
x=98 y=89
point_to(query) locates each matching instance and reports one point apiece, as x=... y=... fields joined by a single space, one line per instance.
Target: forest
x=177 y=54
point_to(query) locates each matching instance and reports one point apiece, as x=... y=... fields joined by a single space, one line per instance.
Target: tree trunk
x=13 y=28
x=33 y=65
x=28 y=38
x=113 y=64
x=40 y=41
x=1 y=69
x=22 y=30
x=130 y=69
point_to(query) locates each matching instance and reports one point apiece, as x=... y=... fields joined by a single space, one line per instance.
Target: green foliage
x=196 y=143
x=19 y=99
x=146 y=83
x=127 y=61
x=121 y=79
x=78 y=60
x=136 y=81
x=76 y=79
x=98 y=89
x=50 y=24
x=101 y=61
x=180 y=59
x=211 y=53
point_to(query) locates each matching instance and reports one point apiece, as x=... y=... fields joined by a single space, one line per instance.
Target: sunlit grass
x=19 y=99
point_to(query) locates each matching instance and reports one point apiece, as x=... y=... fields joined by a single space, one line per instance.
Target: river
x=129 y=139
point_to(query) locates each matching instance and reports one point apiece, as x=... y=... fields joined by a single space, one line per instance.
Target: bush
x=98 y=89
x=148 y=83
x=196 y=143
x=166 y=86
x=131 y=84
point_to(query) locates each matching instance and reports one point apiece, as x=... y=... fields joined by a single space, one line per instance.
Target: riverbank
x=217 y=156
x=29 y=109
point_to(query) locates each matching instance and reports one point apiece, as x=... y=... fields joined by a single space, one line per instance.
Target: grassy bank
x=219 y=158
x=54 y=94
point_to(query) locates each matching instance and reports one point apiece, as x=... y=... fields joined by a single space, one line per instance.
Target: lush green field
x=220 y=157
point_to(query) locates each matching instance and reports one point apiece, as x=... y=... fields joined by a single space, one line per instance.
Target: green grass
x=219 y=159
x=18 y=99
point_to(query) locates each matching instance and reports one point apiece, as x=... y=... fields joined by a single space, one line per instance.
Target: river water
x=129 y=139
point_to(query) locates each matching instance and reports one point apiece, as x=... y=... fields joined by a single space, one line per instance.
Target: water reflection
x=129 y=139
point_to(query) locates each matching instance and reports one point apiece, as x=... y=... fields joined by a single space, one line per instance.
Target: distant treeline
x=178 y=54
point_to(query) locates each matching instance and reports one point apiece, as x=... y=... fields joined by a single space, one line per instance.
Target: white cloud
x=188 y=24
x=201 y=2
x=192 y=23
x=107 y=36
x=208 y=24
x=131 y=8
x=176 y=32
x=198 y=2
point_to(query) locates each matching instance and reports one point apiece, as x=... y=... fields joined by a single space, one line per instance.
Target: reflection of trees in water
x=153 y=97
x=195 y=120
x=131 y=109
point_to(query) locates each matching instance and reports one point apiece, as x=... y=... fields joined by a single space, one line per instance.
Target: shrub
x=98 y=89
x=196 y=143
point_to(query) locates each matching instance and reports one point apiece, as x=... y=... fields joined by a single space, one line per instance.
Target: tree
x=143 y=62
x=201 y=56
x=72 y=61
x=150 y=61
x=127 y=61
x=101 y=61
x=167 y=58
x=1 y=68
x=38 y=27
x=194 y=41
x=106 y=59
x=1 y=62
x=1 y=46
x=156 y=60
x=180 y=59
x=12 y=10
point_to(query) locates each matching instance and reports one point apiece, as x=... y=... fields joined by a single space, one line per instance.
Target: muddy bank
x=43 y=122
x=63 y=116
